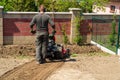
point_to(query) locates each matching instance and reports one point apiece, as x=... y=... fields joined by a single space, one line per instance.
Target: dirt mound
x=32 y=71
x=83 y=49
x=16 y=50
x=29 y=50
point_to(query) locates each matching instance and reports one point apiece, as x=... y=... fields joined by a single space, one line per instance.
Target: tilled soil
x=29 y=50
x=87 y=67
x=82 y=49
x=84 y=67
x=31 y=71
x=10 y=63
x=17 y=50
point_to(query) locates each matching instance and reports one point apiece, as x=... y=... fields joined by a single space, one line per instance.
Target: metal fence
x=105 y=32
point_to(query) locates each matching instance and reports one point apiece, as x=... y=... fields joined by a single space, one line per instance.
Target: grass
x=98 y=54
x=74 y=55
x=104 y=41
x=23 y=57
x=108 y=45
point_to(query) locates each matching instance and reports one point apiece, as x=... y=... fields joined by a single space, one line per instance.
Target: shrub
x=65 y=37
x=78 y=37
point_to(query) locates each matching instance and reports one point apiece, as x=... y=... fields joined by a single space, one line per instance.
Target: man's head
x=42 y=8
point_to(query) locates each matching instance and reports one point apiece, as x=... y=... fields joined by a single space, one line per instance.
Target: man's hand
x=53 y=33
x=33 y=31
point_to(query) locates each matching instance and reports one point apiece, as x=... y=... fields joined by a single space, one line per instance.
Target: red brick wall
x=103 y=28
x=62 y=22
x=85 y=27
x=20 y=27
x=16 y=27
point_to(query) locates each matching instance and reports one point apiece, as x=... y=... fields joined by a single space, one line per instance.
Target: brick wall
x=102 y=25
x=16 y=28
x=20 y=27
x=85 y=27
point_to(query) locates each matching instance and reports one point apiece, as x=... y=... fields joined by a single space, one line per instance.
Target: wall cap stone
x=74 y=9
x=1 y=6
x=102 y=14
x=62 y=13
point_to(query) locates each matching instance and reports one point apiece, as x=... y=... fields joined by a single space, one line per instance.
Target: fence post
x=75 y=13
x=118 y=36
x=1 y=25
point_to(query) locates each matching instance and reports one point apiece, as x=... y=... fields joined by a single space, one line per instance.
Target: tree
x=100 y=4
x=63 y=5
x=59 y=5
x=52 y=5
x=6 y=4
x=18 y=5
x=86 y=5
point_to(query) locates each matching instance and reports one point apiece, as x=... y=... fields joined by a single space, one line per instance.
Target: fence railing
x=105 y=32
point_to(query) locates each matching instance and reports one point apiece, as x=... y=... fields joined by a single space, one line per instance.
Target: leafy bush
x=65 y=37
x=78 y=37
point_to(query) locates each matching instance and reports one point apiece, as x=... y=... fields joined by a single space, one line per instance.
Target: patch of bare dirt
x=31 y=71
x=17 y=50
x=10 y=63
x=83 y=49
x=90 y=64
x=89 y=68
x=29 y=50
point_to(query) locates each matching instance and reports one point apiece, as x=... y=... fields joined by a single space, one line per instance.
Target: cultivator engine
x=56 y=51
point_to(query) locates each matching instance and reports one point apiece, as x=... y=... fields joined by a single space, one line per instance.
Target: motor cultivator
x=56 y=51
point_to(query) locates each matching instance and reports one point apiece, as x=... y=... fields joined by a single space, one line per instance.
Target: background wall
x=14 y=26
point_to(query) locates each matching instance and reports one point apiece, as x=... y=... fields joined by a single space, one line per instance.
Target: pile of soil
x=29 y=50
x=17 y=50
x=81 y=67
x=83 y=49
x=89 y=68
x=31 y=71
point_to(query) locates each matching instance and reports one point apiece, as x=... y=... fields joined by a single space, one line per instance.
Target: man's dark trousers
x=41 y=47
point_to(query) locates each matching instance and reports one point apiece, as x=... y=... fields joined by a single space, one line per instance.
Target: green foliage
x=23 y=57
x=65 y=38
x=86 y=5
x=18 y=5
x=112 y=37
x=98 y=54
x=74 y=55
x=59 y=5
x=100 y=4
x=51 y=5
x=78 y=37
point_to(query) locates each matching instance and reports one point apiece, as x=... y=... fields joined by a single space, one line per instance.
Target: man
x=41 y=21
